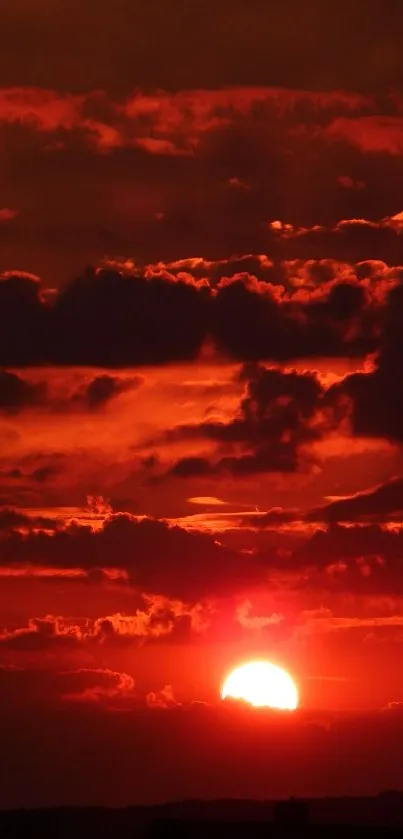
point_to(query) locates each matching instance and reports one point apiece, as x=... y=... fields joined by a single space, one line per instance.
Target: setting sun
x=262 y=684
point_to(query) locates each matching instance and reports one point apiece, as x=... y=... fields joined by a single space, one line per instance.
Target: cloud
x=369 y=133
x=192 y=171
x=43 y=109
x=22 y=319
x=51 y=687
x=373 y=401
x=162 y=699
x=11 y=519
x=108 y=685
x=40 y=634
x=176 y=123
x=276 y=417
x=208 y=501
x=132 y=322
x=165 y=123
x=275 y=517
x=157 y=557
x=323 y=621
x=381 y=503
x=160 y=618
x=349 y=240
x=152 y=316
x=16 y=393
x=192 y=467
x=351 y=558
x=349 y=183
x=191 y=570
x=7 y=215
x=33 y=572
x=248 y=621
x=156 y=145
x=102 y=389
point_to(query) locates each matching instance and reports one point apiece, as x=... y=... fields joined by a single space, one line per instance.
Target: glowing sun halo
x=261 y=684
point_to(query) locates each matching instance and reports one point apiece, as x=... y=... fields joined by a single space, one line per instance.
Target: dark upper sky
x=173 y=45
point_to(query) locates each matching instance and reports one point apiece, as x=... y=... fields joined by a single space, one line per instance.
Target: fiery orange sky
x=201 y=398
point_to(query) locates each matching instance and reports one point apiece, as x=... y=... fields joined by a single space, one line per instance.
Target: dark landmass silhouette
x=378 y=816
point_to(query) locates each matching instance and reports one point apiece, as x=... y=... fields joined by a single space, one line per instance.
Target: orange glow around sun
x=262 y=684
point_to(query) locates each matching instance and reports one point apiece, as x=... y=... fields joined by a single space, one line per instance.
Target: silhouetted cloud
x=52 y=687
x=103 y=388
x=11 y=519
x=375 y=400
x=157 y=557
x=381 y=503
x=360 y=558
x=19 y=391
x=107 y=318
x=275 y=419
x=16 y=393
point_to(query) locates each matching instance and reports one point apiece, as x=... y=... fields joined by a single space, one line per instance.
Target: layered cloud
x=151 y=175
x=188 y=571
x=166 y=123
x=155 y=556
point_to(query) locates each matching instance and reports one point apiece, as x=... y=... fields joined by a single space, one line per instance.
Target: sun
x=262 y=684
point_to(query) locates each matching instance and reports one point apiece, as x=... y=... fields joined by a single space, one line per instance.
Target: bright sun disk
x=262 y=684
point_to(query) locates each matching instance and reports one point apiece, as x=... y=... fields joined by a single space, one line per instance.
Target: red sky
x=201 y=399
